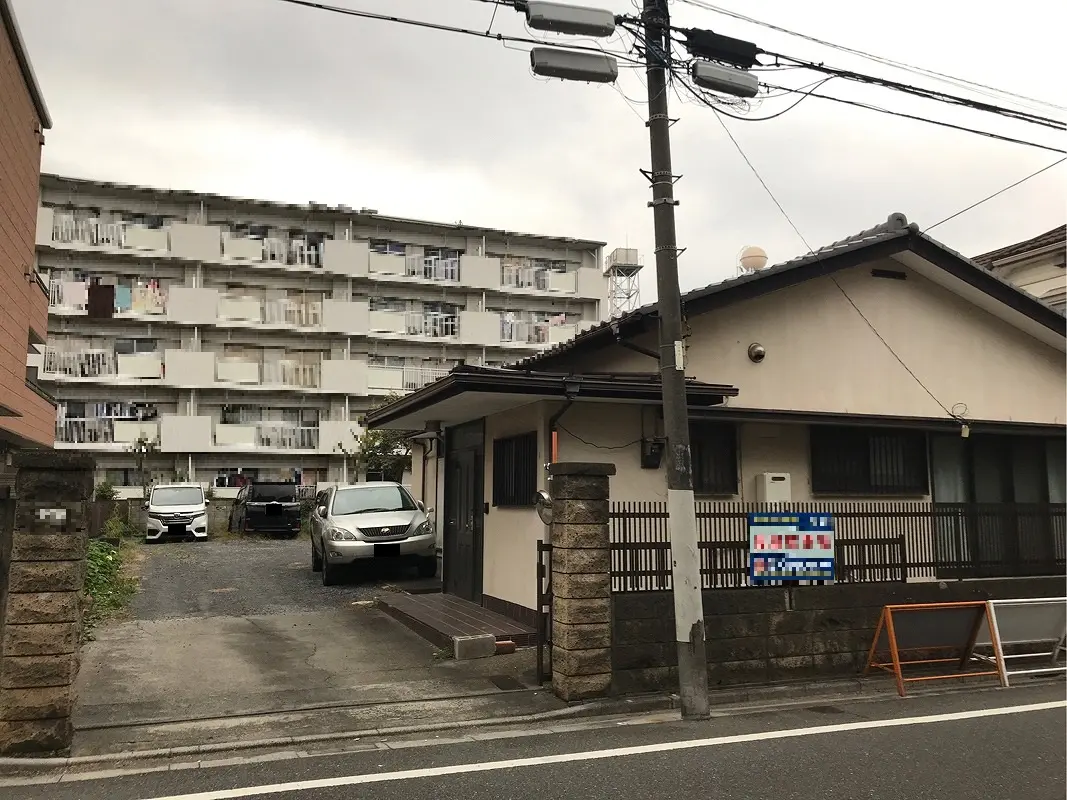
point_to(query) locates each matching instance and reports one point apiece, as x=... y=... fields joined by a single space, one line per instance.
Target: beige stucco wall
x=510 y=534
x=762 y=447
x=822 y=356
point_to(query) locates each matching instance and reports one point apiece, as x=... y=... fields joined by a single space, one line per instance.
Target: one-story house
x=885 y=367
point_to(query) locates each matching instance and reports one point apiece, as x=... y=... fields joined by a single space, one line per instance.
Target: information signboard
x=790 y=547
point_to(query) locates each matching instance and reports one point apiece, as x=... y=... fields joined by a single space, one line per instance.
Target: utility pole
x=681 y=505
x=720 y=64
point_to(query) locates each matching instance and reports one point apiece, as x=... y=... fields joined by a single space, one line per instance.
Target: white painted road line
x=596 y=755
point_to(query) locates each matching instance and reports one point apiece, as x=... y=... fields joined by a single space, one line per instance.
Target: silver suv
x=370 y=520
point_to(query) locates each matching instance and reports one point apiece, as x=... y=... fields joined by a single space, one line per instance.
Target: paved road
x=238 y=639
x=239 y=577
x=991 y=744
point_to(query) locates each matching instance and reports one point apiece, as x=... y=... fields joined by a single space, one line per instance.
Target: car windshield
x=284 y=492
x=178 y=496
x=368 y=499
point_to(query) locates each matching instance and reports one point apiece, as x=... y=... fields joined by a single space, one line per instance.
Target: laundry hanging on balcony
x=101 y=303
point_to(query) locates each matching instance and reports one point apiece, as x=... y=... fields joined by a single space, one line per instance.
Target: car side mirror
x=145 y=505
x=321 y=511
x=421 y=505
x=207 y=501
x=429 y=511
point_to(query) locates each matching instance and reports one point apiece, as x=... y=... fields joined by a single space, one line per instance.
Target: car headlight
x=340 y=535
x=425 y=528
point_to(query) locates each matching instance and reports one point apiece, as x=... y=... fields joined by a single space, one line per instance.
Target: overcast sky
x=263 y=99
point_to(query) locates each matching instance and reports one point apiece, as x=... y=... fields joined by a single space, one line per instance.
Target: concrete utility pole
x=720 y=65
x=681 y=506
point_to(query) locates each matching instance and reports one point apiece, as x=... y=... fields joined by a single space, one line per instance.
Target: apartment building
x=27 y=416
x=219 y=339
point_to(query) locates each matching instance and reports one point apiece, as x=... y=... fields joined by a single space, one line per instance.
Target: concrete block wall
x=771 y=635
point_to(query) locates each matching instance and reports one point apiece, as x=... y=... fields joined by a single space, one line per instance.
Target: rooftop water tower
x=622 y=267
x=751 y=259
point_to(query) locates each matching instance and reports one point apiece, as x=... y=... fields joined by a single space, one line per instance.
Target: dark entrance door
x=464 y=484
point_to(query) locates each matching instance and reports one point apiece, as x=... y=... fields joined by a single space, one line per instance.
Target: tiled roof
x=1054 y=236
x=895 y=227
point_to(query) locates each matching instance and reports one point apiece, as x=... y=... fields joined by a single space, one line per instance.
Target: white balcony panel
x=387 y=264
x=345 y=316
x=592 y=283
x=481 y=272
x=240 y=309
x=129 y=431
x=235 y=435
x=336 y=436
x=188 y=368
x=232 y=370
x=387 y=322
x=138 y=237
x=345 y=376
x=345 y=257
x=45 y=222
x=196 y=242
x=385 y=379
x=141 y=365
x=243 y=248
x=184 y=434
x=561 y=333
x=479 y=327
x=192 y=306
x=563 y=281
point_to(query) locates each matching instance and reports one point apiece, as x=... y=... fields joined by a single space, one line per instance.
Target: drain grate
x=505 y=683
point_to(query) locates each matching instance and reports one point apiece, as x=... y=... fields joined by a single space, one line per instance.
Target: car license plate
x=386 y=550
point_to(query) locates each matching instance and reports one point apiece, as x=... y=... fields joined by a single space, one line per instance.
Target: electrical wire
x=981 y=88
x=995 y=194
x=929 y=94
x=597 y=446
x=918 y=118
x=818 y=258
x=436 y=26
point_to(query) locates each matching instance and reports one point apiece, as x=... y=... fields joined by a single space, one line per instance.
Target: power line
x=929 y=94
x=996 y=194
x=950 y=125
x=818 y=258
x=436 y=26
x=962 y=82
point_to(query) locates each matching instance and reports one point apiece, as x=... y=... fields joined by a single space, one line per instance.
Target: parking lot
x=234 y=628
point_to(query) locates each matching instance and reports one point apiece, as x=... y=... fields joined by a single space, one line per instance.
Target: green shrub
x=108 y=587
x=104 y=491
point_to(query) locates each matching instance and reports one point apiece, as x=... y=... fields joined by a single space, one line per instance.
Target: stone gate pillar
x=40 y=601
x=581 y=580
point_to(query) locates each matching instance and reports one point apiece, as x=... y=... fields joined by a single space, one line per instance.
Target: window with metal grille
x=515 y=470
x=714 y=451
x=868 y=461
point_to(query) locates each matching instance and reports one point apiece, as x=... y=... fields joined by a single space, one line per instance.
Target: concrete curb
x=638 y=704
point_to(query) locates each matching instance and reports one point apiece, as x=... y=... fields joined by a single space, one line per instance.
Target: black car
x=267 y=508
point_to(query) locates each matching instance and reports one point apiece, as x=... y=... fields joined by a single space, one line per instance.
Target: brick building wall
x=24 y=303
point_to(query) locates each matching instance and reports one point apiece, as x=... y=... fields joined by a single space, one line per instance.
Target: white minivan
x=176 y=511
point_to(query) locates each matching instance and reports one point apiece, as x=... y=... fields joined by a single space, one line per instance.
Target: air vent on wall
x=891 y=274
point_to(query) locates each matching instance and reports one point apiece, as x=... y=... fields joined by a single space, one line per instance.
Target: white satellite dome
x=752 y=259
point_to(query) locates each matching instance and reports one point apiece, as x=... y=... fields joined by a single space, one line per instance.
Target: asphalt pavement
x=977 y=744
x=237 y=639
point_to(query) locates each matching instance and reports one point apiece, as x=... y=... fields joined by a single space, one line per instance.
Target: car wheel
x=329 y=575
x=316 y=559
x=428 y=567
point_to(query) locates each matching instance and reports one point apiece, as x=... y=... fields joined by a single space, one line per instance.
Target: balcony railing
x=85 y=431
x=523 y=331
x=433 y=268
x=94 y=232
x=433 y=324
x=293 y=312
x=80 y=364
x=287 y=436
x=517 y=277
x=417 y=377
x=292 y=373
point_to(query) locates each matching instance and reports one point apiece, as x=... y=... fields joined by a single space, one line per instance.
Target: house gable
x=823 y=357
